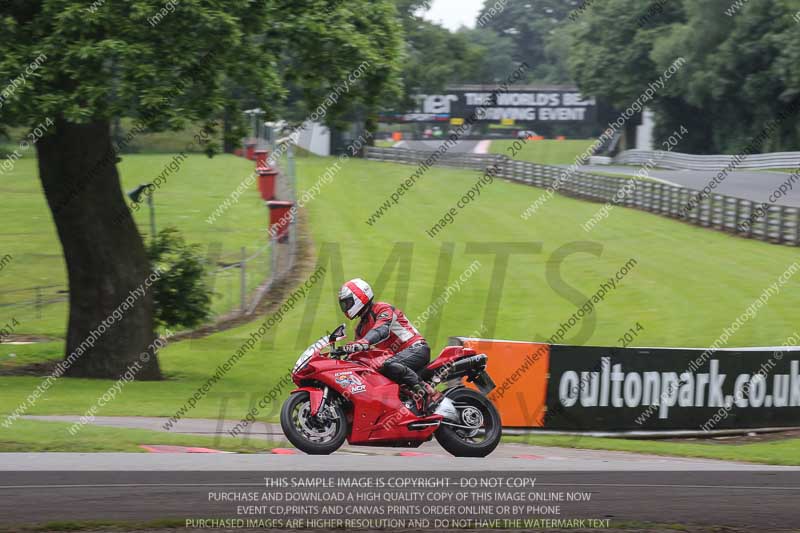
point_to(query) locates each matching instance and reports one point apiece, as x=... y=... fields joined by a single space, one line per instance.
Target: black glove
x=356 y=346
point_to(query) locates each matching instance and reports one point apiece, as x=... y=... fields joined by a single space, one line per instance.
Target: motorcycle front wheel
x=316 y=435
x=477 y=430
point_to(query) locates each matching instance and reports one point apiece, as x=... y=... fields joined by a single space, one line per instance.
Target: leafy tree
x=530 y=24
x=435 y=57
x=490 y=58
x=612 y=58
x=180 y=294
x=166 y=68
x=615 y=63
x=410 y=8
x=330 y=46
x=740 y=75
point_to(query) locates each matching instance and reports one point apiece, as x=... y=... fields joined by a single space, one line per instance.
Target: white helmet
x=354 y=296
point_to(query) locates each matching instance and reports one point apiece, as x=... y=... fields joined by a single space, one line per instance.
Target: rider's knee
x=392 y=370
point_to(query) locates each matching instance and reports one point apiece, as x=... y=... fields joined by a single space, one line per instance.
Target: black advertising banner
x=607 y=389
x=519 y=104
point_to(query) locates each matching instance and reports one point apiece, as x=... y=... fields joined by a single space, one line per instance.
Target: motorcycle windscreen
x=319 y=345
x=309 y=353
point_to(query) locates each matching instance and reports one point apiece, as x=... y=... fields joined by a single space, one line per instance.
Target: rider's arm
x=382 y=327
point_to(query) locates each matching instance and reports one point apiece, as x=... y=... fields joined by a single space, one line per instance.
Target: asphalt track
x=756 y=186
x=460 y=147
x=507 y=456
x=44 y=487
x=143 y=487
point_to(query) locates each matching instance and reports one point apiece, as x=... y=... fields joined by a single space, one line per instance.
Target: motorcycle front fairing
x=312 y=351
x=378 y=415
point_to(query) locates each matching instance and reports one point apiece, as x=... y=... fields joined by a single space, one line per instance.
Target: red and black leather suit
x=387 y=328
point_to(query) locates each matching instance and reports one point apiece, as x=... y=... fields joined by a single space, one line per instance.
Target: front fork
x=321 y=407
x=316 y=397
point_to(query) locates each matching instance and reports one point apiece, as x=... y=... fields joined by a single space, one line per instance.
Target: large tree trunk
x=228 y=142
x=371 y=127
x=111 y=305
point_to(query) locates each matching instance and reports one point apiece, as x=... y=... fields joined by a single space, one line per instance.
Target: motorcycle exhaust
x=464 y=366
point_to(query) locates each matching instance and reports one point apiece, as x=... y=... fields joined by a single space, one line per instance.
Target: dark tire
x=315 y=436
x=471 y=443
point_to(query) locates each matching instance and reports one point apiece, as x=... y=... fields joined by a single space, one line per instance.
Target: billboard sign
x=523 y=105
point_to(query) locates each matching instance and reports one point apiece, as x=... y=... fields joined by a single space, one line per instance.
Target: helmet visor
x=346 y=304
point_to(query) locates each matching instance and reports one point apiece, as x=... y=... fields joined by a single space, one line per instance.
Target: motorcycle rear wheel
x=483 y=427
x=320 y=435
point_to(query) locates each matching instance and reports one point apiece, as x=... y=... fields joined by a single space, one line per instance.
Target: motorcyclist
x=385 y=327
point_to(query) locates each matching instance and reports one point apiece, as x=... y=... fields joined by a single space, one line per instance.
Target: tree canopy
x=169 y=67
x=76 y=66
x=741 y=71
x=532 y=26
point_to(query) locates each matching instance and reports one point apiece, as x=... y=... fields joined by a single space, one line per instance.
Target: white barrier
x=679 y=161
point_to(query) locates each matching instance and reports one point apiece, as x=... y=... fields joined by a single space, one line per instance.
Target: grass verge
x=545 y=152
x=689 y=283
x=193 y=187
x=39 y=436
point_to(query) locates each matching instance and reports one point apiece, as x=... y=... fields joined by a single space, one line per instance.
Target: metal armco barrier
x=415 y=157
x=596 y=389
x=679 y=161
x=780 y=224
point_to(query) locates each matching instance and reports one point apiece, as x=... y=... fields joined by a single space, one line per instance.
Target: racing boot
x=427 y=397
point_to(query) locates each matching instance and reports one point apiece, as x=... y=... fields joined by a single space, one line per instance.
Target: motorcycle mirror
x=338 y=333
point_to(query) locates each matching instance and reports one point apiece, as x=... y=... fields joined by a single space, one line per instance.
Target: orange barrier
x=520 y=371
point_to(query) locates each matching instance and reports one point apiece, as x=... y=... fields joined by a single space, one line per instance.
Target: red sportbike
x=341 y=397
